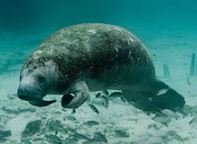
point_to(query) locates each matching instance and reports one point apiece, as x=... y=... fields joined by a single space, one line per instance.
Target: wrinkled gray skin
x=36 y=81
x=89 y=57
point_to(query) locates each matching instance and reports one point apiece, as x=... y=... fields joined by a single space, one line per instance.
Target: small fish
x=80 y=136
x=91 y=123
x=162 y=92
x=93 y=141
x=171 y=114
x=98 y=95
x=150 y=99
x=71 y=118
x=12 y=96
x=105 y=101
x=94 y=108
x=162 y=119
x=115 y=94
x=193 y=122
x=123 y=99
x=71 y=130
x=192 y=95
x=53 y=139
x=154 y=126
x=173 y=135
x=188 y=80
x=56 y=125
x=159 y=113
x=56 y=132
x=191 y=110
x=35 y=140
x=106 y=92
x=100 y=137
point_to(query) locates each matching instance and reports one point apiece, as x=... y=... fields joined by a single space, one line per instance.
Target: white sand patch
x=17 y=125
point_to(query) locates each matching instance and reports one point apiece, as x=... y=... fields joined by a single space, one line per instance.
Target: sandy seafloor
x=120 y=123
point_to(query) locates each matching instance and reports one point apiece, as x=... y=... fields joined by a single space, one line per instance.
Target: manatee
x=88 y=57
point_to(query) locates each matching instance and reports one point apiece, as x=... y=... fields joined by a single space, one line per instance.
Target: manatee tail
x=155 y=96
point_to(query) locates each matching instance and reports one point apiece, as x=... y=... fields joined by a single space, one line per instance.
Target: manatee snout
x=29 y=93
x=33 y=97
x=34 y=84
x=33 y=93
x=24 y=93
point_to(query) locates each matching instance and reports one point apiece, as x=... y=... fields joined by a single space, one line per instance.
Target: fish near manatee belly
x=87 y=57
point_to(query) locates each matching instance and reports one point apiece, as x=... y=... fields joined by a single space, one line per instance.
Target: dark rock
x=4 y=134
x=31 y=129
x=121 y=133
x=56 y=126
x=53 y=139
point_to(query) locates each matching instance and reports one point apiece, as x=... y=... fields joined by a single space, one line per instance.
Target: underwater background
x=166 y=27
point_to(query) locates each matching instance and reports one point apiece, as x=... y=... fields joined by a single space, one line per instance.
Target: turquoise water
x=168 y=30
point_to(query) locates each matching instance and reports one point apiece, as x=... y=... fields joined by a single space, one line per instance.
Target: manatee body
x=89 y=57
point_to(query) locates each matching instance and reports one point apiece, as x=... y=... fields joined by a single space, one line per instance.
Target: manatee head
x=36 y=80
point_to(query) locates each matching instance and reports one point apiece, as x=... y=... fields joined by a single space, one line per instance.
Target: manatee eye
x=41 y=79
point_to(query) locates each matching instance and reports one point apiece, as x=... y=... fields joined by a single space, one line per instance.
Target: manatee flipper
x=76 y=96
x=42 y=103
x=155 y=96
